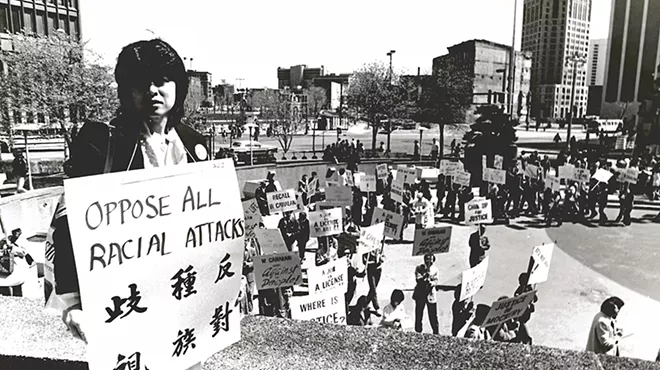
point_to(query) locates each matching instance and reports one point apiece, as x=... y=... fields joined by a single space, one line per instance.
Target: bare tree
x=316 y=100
x=282 y=111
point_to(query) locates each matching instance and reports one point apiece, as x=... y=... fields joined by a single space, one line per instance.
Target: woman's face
x=154 y=99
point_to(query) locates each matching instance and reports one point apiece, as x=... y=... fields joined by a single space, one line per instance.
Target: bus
x=608 y=126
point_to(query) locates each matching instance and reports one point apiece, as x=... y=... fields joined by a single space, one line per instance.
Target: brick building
x=295 y=76
x=205 y=84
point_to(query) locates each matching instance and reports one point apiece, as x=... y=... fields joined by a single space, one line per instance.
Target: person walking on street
x=479 y=244
x=604 y=335
x=303 y=234
x=424 y=294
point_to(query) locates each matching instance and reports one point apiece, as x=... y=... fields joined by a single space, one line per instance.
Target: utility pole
x=576 y=60
x=512 y=62
x=391 y=71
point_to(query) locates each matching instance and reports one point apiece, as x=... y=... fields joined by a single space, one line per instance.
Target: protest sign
x=498 y=162
x=348 y=179
x=507 y=309
x=478 y=212
x=446 y=167
x=581 y=175
x=629 y=175
x=342 y=195
x=325 y=205
x=311 y=187
x=368 y=183
x=327 y=307
x=282 y=201
x=566 y=171
x=602 y=175
x=434 y=240
x=406 y=175
x=542 y=255
x=532 y=171
x=462 y=178
x=396 y=191
x=371 y=238
x=159 y=255
x=325 y=223
x=393 y=222
x=484 y=162
x=331 y=276
x=552 y=183
x=382 y=171
x=271 y=221
x=252 y=216
x=620 y=143
x=277 y=270
x=270 y=241
x=494 y=176
x=473 y=279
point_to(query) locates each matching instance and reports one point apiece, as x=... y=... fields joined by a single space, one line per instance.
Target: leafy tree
x=56 y=77
x=316 y=100
x=493 y=133
x=283 y=115
x=372 y=93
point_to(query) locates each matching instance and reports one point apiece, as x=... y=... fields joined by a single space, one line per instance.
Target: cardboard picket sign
x=340 y=195
x=581 y=175
x=371 y=238
x=498 y=162
x=327 y=307
x=542 y=256
x=155 y=278
x=494 y=176
x=393 y=222
x=277 y=270
x=270 y=241
x=507 y=309
x=473 y=279
x=252 y=216
x=532 y=171
x=621 y=143
x=446 y=167
x=326 y=222
x=406 y=175
x=311 y=187
x=282 y=201
x=479 y=211
x=368 y=183
x=433 y=240
x=602 y=175
x=463 y=178
x=566 y=171
x=552 y=183
x=382 y=171
x=396 y=191
x=629 y=175
x=333 y=275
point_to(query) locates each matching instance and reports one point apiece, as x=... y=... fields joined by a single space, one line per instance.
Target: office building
x=205 y=84
x=486 y=64
x=596 y=62
x=335 y=87
x=296 y=76
x=554 y=31
x=633 y=50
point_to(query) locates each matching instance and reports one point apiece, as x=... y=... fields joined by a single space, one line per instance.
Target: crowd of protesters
x=344 y=151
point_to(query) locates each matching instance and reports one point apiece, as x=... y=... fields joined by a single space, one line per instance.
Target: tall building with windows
x=553 y=31
x=596 y=62
x=41 y=17
x=634 y=50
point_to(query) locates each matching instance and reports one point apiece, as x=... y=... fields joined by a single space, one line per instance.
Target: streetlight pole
x=575 y=60
x=390 y=55
x=512 y=63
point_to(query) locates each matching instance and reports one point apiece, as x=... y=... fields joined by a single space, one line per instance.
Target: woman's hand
x=74 y=321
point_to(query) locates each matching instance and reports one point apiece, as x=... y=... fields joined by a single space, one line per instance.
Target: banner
x=532 y=171
x=339 y=195
x=368 y=183
x=371 y=238
x=406 y=175
x=629 y=175
x=159 y=257
x=473 y=279
x=382 y=172
x=327 y=307
x=282 y=201
x=463 y=178
x=325 y=223
x=270 y=241
x=393 y=222
x=252 y=216
x=478 y=212
x=552 y=183
x=542 y=255
x=602 y=175
x=331 y=276
x=435 y=240
x=507 y=309
x=277 y=270
x=581 y=175
x=498 y=162
x=396 y=191
x=494 y=176
x=566 y=171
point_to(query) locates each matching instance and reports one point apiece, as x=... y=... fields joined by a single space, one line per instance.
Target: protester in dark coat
x=302 y=236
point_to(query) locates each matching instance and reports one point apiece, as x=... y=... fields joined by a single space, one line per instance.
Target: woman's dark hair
x=397 y=295
x=607 y=307
x=144 y=62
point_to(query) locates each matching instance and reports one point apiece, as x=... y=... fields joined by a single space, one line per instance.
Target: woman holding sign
x=152 y=85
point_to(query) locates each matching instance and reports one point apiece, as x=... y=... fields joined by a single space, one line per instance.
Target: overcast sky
x=250 y=39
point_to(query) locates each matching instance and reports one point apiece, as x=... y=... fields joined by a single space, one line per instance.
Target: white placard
x=371 y=238
x=270 y=241
x=331 y=276
x=484 y=161
x=396 y=191
x=434 y=240
x=566 y=171
x=581 y=175
x=602 y=175
x=462 y=178
x=406 y=175
x=393 y=222
x=159 y=255
x=473 y=279
x=552 y=183
x=282 y=201
x=277 y=270
x=494 y=176
x=325 y=223
x=629 y=175
x=479 y=212
x=382 y=171
x=507 y=309
x=368 y=183
x=532 y=171
x=498 y=162
x=252 y=216
x=542 y=256
x=342 y=195
x=327 y=307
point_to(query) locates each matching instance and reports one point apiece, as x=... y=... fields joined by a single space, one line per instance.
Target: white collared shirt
x=162 y=150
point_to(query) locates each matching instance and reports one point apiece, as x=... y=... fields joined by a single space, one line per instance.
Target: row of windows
x=38 y=22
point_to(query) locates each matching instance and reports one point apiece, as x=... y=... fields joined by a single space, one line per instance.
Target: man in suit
x=605 y=335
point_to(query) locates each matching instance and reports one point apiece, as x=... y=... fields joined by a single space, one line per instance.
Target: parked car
x=261 y=153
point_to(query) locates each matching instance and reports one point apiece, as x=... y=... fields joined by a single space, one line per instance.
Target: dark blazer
x=90 y=150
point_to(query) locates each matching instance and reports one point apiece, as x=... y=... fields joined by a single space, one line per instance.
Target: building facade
x=206 y=84
x=596 y=62
x=554 y=31
x=335 y=87
x=295 y=76
x=41 y=17
x=633 y=50
x=486 y=64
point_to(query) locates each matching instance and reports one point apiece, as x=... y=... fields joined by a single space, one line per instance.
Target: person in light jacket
x=604 y=335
